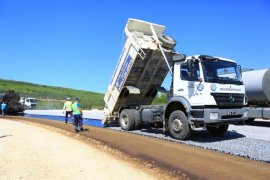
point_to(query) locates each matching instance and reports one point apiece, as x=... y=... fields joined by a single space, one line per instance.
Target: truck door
x=188 y=81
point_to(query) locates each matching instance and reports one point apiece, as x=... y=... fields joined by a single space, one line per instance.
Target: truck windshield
x=219 y=71
x=32 y=100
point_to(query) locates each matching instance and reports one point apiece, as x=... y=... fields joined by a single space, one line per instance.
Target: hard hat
x=77 y=99
x=68 y=99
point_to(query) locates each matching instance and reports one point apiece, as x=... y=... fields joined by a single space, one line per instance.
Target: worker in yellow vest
x=77 y=115
x=68 y=109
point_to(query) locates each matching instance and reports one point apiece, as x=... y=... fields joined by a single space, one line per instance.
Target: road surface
x=164 y=157
x=31 y=152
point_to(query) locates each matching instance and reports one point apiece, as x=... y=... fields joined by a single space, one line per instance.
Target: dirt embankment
x=167 y=158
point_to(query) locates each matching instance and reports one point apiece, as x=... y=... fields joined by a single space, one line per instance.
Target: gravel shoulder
x=179 y=160
x=31 y=152
x=247 y=141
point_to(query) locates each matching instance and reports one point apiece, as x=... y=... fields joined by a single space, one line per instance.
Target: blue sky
x=77 y=43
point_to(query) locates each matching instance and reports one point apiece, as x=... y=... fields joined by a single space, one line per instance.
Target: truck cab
x=29 y=103
x=209 y=91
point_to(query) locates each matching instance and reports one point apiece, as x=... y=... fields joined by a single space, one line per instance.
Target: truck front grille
x=228 y=100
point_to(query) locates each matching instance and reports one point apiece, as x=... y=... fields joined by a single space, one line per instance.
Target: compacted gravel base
x=251 y=142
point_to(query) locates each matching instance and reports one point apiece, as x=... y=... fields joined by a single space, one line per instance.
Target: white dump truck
x=205 y=91
x=257 y=84
x=29 y=103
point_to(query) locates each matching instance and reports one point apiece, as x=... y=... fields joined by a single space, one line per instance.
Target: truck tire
x=178 y=125
x=250 y=120
x=167 y=41
x=137 y=119
x=127 y=119
x=218 y=130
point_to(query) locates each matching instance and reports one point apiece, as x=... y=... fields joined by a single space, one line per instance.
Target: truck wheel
x=167 y=41
x=250 y=120
x=217 y=130
x=137 y=119
x=127 y=119
x=178 y=125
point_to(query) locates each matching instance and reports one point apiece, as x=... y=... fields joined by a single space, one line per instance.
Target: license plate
x=231 y=112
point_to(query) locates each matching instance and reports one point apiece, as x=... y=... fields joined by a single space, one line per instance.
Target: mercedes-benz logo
x=231 y=98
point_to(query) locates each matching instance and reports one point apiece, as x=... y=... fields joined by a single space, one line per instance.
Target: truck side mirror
x=240 y=69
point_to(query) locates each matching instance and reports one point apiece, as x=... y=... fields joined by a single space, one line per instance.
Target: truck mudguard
x=177 y=99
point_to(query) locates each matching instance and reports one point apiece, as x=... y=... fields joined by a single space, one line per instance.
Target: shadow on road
x=156 y=131
x=259 y=123
x=5 y=136
x=201 y=136
x=204 y=137
x=85 y=129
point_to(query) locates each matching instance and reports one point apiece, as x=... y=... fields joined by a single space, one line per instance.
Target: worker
x=67 y=108
x=77 y=114
x=3 y=108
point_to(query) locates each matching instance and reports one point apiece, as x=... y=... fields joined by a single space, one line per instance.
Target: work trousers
x=3 y=112
x=78 y=122
x=68 y=113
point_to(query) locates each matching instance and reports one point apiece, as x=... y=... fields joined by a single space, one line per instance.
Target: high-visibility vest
x=68 y=106
x=75 y=108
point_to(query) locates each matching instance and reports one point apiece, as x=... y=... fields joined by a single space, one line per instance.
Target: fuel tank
x=257 y=84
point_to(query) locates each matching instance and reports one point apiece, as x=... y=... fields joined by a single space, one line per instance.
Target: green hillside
x=160 y=99
x=50 y=97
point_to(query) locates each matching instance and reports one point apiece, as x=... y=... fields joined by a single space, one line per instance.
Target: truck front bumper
x=223 y=115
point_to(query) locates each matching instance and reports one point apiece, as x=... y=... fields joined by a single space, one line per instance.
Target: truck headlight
x=213 y=116
x=245 y=114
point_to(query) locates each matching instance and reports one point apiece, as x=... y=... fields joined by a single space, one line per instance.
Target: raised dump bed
x=141 y=68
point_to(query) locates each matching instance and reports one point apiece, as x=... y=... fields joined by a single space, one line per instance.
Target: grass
x=45 y=105
x=160 y=99
x=51 y=97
